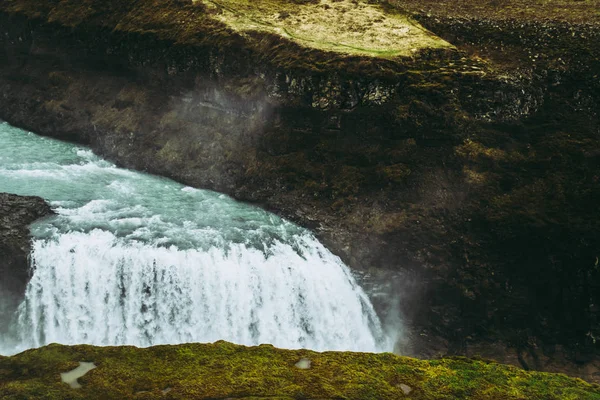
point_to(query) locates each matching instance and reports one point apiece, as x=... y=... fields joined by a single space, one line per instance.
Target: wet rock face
x=16 y=213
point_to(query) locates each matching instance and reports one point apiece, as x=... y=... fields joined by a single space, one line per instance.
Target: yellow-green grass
x=344 y=26
x=224 y=370
x=289 y=33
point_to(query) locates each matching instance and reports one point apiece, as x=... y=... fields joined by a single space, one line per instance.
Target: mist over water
x=132 y=258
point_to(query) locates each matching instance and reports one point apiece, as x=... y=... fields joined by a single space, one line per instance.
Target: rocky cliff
x=458 y=170
x=16 y=213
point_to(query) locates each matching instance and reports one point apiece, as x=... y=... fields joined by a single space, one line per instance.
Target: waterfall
x=93 y=288
x=136 y=259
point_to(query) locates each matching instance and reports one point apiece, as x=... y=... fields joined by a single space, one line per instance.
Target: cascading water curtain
x=132 y=258
x=93 y=288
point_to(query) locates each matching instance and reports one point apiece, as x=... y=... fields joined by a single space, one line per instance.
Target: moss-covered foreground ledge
x=466 y=176
x=224 y=370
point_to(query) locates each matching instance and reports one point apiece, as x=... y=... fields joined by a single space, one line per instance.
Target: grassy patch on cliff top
x=224 y=370
x=319 y=35
x=346 y=26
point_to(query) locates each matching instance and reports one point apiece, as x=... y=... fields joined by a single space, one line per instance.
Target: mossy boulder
x=223 y=370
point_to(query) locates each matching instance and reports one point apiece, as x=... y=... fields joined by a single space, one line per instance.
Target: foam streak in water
x=96 y=288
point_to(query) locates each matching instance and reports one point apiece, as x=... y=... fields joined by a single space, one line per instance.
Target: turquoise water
x=91 y=193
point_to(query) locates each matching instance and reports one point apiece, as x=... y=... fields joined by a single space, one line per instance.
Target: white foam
x=71 y=377
x=94 y=288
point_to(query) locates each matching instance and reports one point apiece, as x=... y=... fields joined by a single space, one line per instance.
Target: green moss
x=225 y=370
x=396 y=173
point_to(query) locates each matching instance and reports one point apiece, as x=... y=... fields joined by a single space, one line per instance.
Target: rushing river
x=132 y=258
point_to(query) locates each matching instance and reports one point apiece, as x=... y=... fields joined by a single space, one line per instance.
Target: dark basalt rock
x=16 y=213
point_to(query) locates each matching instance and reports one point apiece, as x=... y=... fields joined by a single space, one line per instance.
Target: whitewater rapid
x=136 y=259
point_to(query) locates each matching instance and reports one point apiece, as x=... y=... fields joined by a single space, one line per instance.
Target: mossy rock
x=224 y=370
